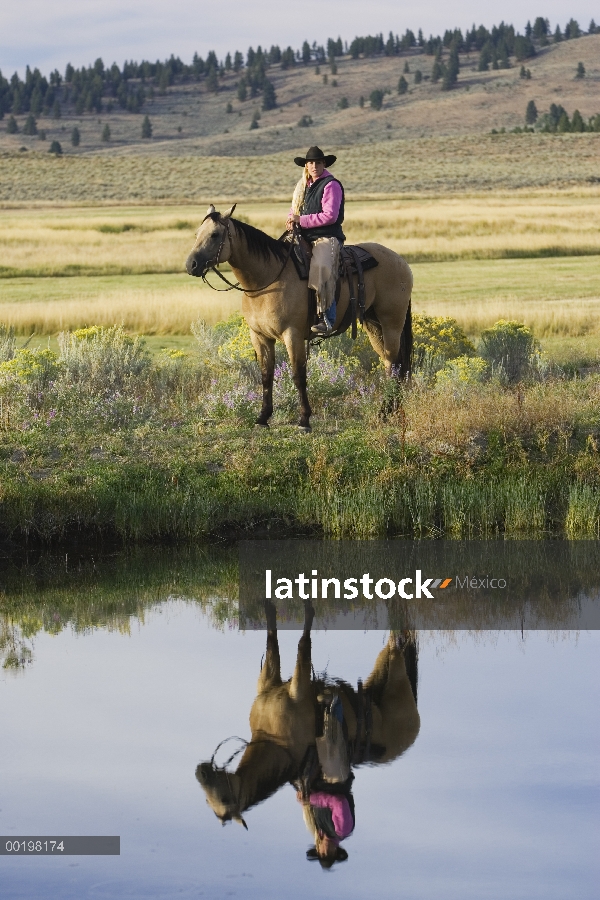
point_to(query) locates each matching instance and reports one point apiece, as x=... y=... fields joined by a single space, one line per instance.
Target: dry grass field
x=133 y=240
x=190 y=121
x=394 y=168
x=534 y=257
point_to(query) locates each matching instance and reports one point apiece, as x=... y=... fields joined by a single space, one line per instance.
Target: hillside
x=189 y=120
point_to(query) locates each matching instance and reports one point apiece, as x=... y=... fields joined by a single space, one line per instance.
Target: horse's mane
x=267 y=786
x=259 y=243
x=276 y=775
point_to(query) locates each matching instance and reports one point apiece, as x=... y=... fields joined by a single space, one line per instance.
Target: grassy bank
x=106 y=440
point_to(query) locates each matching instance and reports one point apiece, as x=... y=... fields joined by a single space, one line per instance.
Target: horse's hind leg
x=296 y=349
x=301 y=679
x=265 y=353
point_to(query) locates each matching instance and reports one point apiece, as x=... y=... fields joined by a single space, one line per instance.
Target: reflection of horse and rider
x=311 y=731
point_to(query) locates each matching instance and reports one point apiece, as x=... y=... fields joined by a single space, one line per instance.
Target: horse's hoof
x=259 y=424
x=304 y=429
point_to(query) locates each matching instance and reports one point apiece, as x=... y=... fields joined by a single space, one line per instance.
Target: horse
x=275 y=304
x=284 y=714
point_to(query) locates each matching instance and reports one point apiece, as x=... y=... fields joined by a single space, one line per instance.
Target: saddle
x=353 y=262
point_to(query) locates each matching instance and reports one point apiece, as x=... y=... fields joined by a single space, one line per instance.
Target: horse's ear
x=229 y=212
x=240 y=821
x=210 y=211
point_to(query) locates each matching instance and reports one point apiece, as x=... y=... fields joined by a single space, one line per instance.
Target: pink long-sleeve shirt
x=340 y=811
x=331 y=202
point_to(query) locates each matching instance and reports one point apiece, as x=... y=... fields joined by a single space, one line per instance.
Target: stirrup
x=322 y=327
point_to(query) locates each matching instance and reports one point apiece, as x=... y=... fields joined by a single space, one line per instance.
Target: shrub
x=55 y=148
x=11 y=126
x=510 y=348
x=75 y=137
x=147 y=127
x=305 y=122
x=462 y=371
x=418 y=76
x=106 y=133
x=343 y=103
x=102 y=357
x=438 y=339
x=402 y=85
x=229 y=108
x=580 y=70
x=376 y=99
x=30 y=367
x=7 y=342
x=41 y=135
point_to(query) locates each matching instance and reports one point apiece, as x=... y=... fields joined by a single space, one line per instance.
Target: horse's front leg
x=296 y=348
x=265 y=352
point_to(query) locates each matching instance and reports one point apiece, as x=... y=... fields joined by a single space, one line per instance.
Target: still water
x=495 y=797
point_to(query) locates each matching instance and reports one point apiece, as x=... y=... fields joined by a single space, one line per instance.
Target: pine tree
x=55 y=148
x=106 y=132
x=146 y=128
x=531 y=113
x=437 y=71
x=402 y=85
x=580 y=70
x=30 y=127
x=269 y=96
x=11 y=126
x=376 y=99
x=577 y=123
x=75 y=137
x=418 y=76
x=242 y=91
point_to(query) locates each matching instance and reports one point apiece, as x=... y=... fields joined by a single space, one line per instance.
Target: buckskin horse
x=275 y=304
x=381 y=718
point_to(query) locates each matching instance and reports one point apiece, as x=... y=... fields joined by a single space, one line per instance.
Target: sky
x=48 y=35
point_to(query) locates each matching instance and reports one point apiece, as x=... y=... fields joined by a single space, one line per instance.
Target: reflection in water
x=311 y=731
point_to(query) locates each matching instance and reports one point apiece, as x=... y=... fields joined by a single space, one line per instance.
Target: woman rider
x=318 y=209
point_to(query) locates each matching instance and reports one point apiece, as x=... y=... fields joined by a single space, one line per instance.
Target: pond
x=116 y=693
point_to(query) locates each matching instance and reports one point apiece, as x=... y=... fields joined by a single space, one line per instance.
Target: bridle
x=245 y=744
x=213 y=263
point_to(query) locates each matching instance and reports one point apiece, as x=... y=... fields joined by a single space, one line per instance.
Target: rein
x=211 y=266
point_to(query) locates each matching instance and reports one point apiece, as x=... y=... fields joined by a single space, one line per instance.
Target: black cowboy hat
x=314 y=154
x=341 y=855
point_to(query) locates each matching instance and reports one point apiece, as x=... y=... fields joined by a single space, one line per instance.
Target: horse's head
x=213 y=242
x=222 y=789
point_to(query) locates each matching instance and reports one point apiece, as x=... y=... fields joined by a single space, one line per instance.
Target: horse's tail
x=404 y=361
